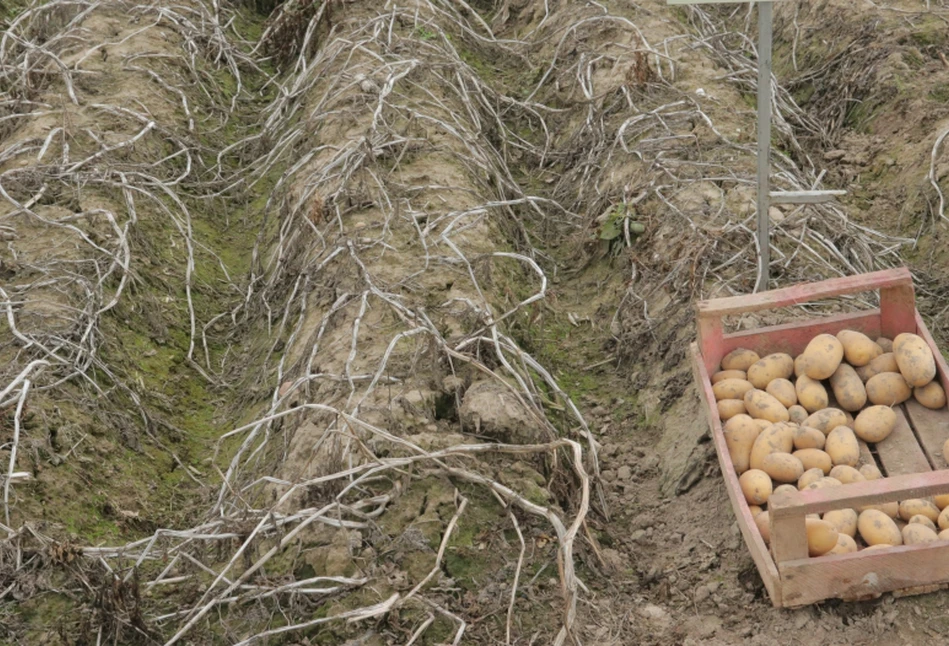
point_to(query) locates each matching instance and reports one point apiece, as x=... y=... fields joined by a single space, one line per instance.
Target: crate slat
x=932 y=429
x=864 y=575
x=900 y=452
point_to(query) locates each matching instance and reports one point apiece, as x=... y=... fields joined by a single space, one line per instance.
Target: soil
x=355 y=236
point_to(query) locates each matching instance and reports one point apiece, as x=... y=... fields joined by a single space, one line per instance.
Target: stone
x=491 y=409
x=624 y=472
x=654 y=613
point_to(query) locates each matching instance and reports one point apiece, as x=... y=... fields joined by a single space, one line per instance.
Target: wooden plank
x=710 y=341
x=932 y=430
x=864 y=575
x=806 y=292
x=859 y=494
x=794 y=337
x=756 y=546
x=788 y=536
x=900 y=453
x=897 y=309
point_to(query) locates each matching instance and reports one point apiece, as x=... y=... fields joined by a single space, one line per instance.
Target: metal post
x=764 y=144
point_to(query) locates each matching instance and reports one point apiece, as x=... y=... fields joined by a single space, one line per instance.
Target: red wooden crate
x=911 y=457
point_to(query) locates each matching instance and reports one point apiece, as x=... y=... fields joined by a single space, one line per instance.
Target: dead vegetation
x=424 y=177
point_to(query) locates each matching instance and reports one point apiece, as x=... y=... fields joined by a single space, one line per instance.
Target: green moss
x=940 y=93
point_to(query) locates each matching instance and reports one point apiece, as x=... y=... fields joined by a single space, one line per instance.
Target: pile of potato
x=782 y=433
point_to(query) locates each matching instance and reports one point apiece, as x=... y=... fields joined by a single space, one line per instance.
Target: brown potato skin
x=811 y=394
x=886 y=362
x=875 y=423
x=859 y=349
x=931 y=395
x=761 y=405
x=842 y=446
x=848 y=388
x=915 y=359
x=739 y=359
x=888 y=389
x=729 y=374
x=731 y=389
x=876 y=528
x=814 y=459
x=774 y=366
x=782 y=390
x=822 y=356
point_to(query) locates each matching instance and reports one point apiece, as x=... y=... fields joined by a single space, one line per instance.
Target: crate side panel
x=864 y=574
x=756 y=546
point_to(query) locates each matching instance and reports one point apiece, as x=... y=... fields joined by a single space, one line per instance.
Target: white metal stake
x=764 y=145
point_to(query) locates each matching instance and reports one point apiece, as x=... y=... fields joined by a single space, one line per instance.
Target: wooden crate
x=911 y=457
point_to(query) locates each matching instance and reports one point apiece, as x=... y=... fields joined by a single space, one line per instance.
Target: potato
x=810 y=394
x=767 y=369
x=728 y=408
x=923 y=520
x=876 y=528
x=756 y=485
x=886 y=362
x=848 y=389
x=915 y=359
x=740 y=435
x=943 y=535
x=881 y=546
x=822 y=356
x=799 y=365
x=842 y=446
x=875 y=423
x=931 y=395
x=784 y=487
x=849 y=422
x=760 y=404
x=797 y=413
x=755 y=510
x=943 y=519
x=731 y=389
x=859 y=350
x=846 y=474
x=739 y=359
x=914 y=506
x=888 y=389
x=814 y=459
x=941 y=500
x=721 y=375
x=810 y=477
x=782 y=467
x=763 y=424
x=826 y=420
x=916 y=534
x=782 y=390
x=821 y=537
x=806 y=437
x=885 y=343
x=763 y=523
x=777 y=438
x=890 y=509
x=870 y=472
x=826 y=481
x=843 y=520
x=845 y=545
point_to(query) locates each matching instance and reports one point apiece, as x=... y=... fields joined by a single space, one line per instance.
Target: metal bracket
x=804 y=197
